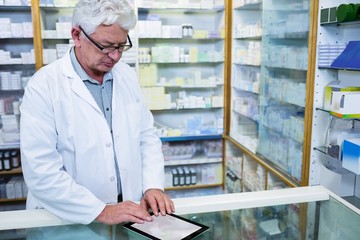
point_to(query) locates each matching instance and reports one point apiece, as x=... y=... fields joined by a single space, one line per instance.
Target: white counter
x=40 y=217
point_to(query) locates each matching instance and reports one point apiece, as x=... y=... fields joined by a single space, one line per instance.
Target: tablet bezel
x=196 y=233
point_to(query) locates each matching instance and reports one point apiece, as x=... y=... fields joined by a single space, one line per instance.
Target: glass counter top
x=296 y=213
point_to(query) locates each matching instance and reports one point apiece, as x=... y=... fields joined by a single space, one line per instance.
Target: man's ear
x=75 y=34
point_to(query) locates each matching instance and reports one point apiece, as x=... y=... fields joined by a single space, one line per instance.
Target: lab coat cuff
x=97 y=212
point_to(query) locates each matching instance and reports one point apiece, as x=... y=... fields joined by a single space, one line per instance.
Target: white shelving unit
x=325 y=169
x=16 y=66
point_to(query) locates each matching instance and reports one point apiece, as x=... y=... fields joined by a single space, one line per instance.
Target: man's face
x=90 y=56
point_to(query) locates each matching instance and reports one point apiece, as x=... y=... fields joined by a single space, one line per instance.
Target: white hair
x=89 y=14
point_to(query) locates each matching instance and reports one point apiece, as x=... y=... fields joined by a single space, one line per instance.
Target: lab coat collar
x=77 y=85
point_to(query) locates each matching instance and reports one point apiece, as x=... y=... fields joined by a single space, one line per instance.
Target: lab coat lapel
x=81 y=90
x=77 y=85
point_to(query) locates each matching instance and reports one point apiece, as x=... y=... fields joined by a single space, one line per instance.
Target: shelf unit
x=17 y=64
x=325 y=164
x=181 y=71
x=263 y=121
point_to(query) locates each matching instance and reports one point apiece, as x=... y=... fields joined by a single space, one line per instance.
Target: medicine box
x=342 y=99
x=351 y=155
x=345 y=104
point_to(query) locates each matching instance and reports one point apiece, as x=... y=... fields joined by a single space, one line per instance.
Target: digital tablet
x=168 y=227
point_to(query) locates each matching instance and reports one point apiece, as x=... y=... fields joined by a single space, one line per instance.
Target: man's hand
x=158 y=201
x=124 y=212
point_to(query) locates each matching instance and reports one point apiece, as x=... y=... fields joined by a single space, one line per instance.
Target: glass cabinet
x=270 y=76
x=298 y=213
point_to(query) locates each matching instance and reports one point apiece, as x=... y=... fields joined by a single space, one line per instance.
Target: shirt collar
x=81 y=72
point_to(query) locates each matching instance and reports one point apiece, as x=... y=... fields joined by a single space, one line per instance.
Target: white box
x=171 y=31
x=28 y=29
x=10 y=190
x=18 y=188
x=17 y=30
x=5 y=27
x=345 y=102
x=12 y=2
x=154 y=29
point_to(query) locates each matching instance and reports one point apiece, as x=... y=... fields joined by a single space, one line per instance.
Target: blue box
x=351 y=155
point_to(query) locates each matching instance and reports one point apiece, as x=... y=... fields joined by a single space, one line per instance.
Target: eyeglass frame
x=101 y=48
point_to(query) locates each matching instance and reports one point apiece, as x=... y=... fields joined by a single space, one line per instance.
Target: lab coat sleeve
x=48 y=182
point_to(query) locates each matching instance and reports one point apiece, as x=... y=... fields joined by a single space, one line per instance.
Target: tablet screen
x=168 y=227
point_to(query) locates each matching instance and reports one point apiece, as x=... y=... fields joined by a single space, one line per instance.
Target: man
x=87 y=138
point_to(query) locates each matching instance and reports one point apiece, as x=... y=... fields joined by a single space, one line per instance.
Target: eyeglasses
x=110 y=49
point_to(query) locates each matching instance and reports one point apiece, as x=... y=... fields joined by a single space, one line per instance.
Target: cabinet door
x=270 y=77
x=246 y=67
x=283 y=84
x=330 y=127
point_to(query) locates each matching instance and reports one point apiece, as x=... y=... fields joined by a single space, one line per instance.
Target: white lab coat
x=67 y=149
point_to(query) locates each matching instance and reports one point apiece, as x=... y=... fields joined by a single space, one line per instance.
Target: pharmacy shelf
x=5 y=146
x=248 y=38
x=247 y=64
x=186 y=63
x=291 y=35
x=15 y=8
x=56 y=8
x=193 y=186
x=5 y=200
x=11 y=172
x=190 y=138
x=189 y=39
x=333 y=68
x=186 y=109
x=15 y=38
x=337 y=115
x=279 y=67
x=55 y=38
x=340 y=23
x=203 y=160
x=175 y=9
x=190 y=87
x=249 y=6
